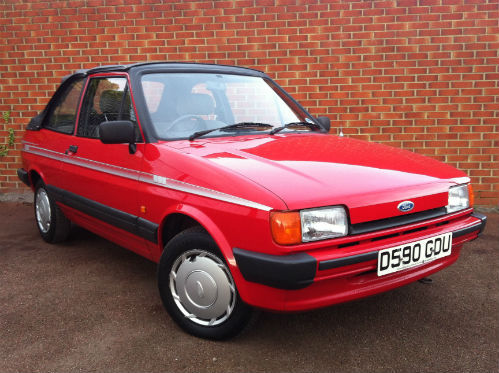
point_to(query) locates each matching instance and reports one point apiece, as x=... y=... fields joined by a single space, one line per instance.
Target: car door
x=101 y=180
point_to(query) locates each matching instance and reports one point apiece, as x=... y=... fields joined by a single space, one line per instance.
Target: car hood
x=314 y=170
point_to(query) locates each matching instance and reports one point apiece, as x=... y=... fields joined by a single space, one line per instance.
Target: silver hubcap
x=202 y=287
x=42 y=210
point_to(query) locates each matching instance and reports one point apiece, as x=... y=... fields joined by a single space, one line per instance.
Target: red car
x=240 y=195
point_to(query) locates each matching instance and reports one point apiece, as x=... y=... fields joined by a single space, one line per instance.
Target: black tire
x=183 y=244
x=59 y=226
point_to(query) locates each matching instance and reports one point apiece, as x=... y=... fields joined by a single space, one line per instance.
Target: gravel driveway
x=89 y=305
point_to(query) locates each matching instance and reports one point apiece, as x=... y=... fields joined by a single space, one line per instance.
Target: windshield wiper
x=295 y=124
x=234 y=126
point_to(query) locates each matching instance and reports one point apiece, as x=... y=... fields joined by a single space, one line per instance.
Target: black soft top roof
x=170 y=67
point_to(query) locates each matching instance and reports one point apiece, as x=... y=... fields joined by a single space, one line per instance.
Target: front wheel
x=197 y=288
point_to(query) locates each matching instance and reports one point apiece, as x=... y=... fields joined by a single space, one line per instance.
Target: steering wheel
x=184 y=118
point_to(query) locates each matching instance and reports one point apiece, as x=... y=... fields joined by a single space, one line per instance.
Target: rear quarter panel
x=39 y=152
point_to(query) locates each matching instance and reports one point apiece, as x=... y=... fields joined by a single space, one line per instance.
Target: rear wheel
x=197 y=288
x=50 y=220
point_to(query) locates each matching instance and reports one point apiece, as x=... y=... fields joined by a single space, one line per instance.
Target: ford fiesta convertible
x=242 y=197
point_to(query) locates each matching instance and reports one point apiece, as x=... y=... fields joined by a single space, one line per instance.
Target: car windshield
x=182 y=104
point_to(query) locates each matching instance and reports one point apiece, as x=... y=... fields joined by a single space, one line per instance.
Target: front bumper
x=310 y=280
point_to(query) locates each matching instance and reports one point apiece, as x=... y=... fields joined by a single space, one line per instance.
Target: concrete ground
x=89 y=305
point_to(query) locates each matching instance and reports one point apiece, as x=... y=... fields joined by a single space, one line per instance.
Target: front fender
x=207 y=223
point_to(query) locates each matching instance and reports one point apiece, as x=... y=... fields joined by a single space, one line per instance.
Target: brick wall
x=417 y=74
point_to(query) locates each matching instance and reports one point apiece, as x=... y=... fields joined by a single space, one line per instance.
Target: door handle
x=72 y=149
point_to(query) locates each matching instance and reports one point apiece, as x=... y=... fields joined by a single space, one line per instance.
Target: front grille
x=373 y=241
x=397 y=221
x=348 y=244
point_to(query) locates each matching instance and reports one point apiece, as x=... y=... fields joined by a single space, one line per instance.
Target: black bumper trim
x=349 y=260
x=478 y=226
x=22 y=174
x=123 y=220
x=354 y=259
x=297 y=271
x=290 y=272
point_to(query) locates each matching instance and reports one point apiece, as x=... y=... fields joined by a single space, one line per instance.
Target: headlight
x=459 y=197
x=323 y=223
x=294 y=227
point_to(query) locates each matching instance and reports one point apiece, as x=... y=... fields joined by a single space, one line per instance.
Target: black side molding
x=22 y=174
x=290 y=272
x=123 y=220
x=147 y=229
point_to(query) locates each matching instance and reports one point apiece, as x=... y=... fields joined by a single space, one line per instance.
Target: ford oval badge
x=406 y=206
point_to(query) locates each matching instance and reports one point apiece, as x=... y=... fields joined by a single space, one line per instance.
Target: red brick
x=419 y=76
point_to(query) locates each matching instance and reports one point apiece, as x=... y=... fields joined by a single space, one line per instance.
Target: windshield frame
x=149 y=127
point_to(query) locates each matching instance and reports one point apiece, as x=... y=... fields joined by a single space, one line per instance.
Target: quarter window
x=62 y=116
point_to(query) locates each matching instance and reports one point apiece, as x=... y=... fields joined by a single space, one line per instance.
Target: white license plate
x=401 y=257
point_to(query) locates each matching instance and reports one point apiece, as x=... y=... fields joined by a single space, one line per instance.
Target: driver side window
x=106 y=99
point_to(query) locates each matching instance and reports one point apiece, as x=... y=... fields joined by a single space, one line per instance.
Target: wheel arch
x=34 y=177
x=185 y=217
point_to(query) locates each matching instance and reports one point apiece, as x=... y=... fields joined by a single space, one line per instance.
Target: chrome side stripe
x=148 y=178
x=200 y=191
x=83 y=162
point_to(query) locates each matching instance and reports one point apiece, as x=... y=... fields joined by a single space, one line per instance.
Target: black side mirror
x=324 y=122
x=118 y=132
